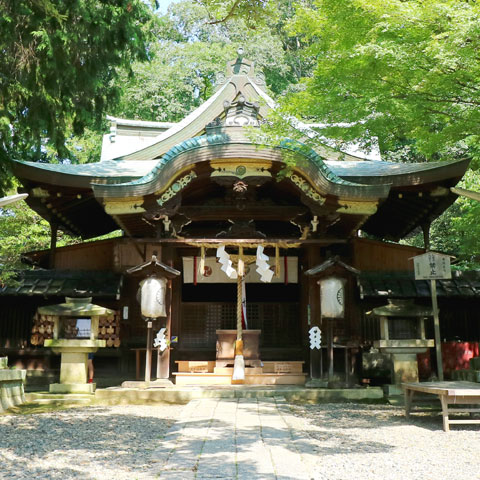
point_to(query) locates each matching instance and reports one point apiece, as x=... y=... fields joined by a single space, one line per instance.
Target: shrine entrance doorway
x=273 y=309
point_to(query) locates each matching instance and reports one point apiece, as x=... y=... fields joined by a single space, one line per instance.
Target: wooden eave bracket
x=330 y=262
x=169 y=271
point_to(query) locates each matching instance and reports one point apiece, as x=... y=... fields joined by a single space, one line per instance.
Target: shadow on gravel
x=82 y=434
x=331 y=418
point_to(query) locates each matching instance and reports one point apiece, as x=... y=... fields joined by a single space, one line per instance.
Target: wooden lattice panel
x=279 y=323
x=193 y=327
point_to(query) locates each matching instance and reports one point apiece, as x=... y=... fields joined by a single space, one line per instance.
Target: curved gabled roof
x=194 y=123
x=232 y=143
x=82 y=176
x=374 y=172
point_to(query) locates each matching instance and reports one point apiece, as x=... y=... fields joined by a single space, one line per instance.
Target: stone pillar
x=405 y=368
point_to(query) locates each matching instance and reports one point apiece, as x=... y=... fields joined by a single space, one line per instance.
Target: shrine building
x=193 y=194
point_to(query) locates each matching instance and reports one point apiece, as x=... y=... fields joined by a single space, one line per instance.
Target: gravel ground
x=339 y=441
x=113 y=443
x=363 y=442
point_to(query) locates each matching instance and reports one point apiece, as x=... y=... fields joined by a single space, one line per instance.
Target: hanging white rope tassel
x=263 y=268
x=201 y=269
x=224 y=259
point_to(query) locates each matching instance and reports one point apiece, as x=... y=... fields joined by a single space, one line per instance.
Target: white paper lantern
x=152 y=297
x=332 y=297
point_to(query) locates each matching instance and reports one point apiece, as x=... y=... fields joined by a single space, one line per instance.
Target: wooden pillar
x=163 y=359
x=305 y=310
x=436 y=326
x=314 y=258
x=328 y=322
x=148 y=353
x=176 y=306
x=53 y=244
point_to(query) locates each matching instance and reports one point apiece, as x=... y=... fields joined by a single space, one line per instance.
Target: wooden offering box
x=226 y=347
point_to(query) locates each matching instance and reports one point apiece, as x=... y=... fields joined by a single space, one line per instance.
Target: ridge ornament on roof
x=241 y=66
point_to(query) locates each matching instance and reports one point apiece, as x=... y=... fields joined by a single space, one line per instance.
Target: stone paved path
x=234 y=439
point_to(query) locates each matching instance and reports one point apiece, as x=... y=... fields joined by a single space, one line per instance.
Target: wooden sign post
x=434 y=266
x=148 y=353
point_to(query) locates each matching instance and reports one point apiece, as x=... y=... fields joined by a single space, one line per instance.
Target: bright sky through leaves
x=164 y=5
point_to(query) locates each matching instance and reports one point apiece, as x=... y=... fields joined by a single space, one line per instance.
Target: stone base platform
x=253 y=378
x=292 y=393
x=181 y=395
x=158 y=383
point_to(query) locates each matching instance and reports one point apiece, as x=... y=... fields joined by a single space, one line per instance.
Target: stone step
x=64 y=401
x=229 y=370
x=250 y=379
x=45 y=398
x=293 y=393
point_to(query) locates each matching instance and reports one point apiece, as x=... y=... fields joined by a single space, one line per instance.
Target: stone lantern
x=402 y=336
x=75 y=335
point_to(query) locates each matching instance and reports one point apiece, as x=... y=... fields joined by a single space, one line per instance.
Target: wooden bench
x=449 y=393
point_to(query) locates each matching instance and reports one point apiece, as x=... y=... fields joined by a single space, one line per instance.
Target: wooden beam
x=124 y=207
x=466 y=193
x=240 y=241
x=251 y=211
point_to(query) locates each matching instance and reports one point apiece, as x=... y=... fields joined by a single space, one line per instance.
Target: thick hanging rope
x=239 y=307
x=238 y=375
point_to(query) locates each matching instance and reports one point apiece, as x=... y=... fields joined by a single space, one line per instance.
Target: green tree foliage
x=405 y=71
x=190 y=51
x=254 y=12
x=22 y=230
x=457 y=230
x=466 y=223
x=60 y=60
